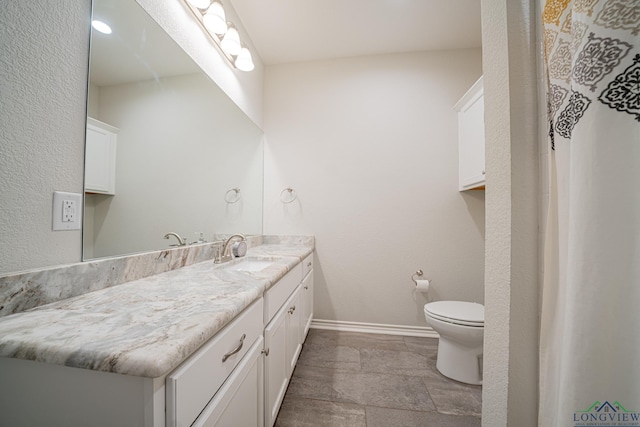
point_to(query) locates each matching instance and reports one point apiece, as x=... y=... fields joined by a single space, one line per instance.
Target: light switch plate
x=67 y=211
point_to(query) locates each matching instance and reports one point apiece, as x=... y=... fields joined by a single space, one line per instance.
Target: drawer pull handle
x=265 y=351
x=235 y=350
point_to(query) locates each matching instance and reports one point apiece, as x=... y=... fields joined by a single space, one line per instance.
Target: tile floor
x=354 y=379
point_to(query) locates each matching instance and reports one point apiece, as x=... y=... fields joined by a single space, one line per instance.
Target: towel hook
x=292 y=195
x=232 y=196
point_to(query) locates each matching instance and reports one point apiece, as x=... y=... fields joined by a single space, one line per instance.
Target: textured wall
x=370 y=146
x=510 y=387
x=43 y=85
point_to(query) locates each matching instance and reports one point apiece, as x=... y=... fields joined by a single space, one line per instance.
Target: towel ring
x=232 y=196
x=288 y=199
x=418 y=273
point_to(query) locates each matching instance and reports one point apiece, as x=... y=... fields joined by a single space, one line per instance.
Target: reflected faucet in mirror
x=181 y=241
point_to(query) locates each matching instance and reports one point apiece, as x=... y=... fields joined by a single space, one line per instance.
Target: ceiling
x=284 y=31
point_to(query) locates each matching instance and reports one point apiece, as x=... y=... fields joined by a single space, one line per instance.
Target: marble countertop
x=145 y=327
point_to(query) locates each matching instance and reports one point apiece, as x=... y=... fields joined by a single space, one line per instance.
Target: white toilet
x=461 y=328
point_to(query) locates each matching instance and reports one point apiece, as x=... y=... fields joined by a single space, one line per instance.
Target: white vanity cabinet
x=276 y=364
x=237 y=378
x=100 y=157
x=44 y=394
x=306 y=297
x=294 y=329
x=279 y=340
x=195 y=386
x=470 y=110
x=239 y=402
x=285 y=332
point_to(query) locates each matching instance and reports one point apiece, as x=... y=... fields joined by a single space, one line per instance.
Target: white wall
x=510 y=386
x=43 y=63
x=182 y=144
x=370 y=146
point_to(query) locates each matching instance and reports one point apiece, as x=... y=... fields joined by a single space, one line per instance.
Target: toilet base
x=460 y=362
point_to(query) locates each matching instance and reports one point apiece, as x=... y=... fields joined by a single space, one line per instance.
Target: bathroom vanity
x=204 y=345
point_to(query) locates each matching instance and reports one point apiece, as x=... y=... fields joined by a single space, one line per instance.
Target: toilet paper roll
x=422 y=285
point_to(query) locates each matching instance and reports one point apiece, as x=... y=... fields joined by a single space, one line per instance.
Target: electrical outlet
x=67 y=211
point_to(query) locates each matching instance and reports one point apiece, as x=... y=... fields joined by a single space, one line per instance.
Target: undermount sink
x=251 y=265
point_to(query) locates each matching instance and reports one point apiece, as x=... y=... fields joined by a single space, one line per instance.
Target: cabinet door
x=294 y=322
x=471 y=138
x=100 y=158
x=276 y=364
x=239 y=402
x=192 y=385
x=307 y=305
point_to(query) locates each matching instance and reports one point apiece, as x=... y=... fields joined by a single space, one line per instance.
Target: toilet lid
x=466 y=313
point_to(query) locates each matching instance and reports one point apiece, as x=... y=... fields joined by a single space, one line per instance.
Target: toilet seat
x=457 y=312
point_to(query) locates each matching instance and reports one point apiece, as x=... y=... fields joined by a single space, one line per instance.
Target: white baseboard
x=375 y=328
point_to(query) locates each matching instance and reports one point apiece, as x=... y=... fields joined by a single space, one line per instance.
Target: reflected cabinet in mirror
x=165 y=145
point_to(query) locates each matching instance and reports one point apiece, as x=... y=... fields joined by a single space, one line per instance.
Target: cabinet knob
x=309 y=264
x=483 y=172
x=265 y=351
x=306 y=287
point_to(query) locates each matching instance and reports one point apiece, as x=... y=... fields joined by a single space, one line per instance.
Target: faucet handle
x=217 y=253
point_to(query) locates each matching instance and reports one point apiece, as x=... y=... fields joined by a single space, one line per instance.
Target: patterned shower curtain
x=590 y=331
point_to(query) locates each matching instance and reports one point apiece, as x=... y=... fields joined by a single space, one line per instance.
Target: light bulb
x=214 y=20
x=101 y=27
x=231 y=41
x=244 y=62
x=200 y=4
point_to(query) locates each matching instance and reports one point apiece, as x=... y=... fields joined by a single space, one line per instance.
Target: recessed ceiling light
x=101 y=27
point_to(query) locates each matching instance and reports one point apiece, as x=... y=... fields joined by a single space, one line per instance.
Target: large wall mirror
x=187 y=159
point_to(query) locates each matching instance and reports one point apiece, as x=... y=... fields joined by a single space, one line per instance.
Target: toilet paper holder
x=419 y=274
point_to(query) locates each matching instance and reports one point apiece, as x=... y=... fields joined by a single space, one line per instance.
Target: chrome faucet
x=223 y=253
x=181 y=241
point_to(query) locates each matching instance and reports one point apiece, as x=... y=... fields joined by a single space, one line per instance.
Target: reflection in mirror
x=164 y=143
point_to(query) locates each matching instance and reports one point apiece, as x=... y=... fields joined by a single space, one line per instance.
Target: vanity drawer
x=280 y=292
x=307 y=265
x=193 y=384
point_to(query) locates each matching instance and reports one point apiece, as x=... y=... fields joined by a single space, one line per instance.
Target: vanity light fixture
x=214 y=19
x=101 y=27
x=200 y=4
x=231 y=40
x=211 y=16
x=244 y=62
